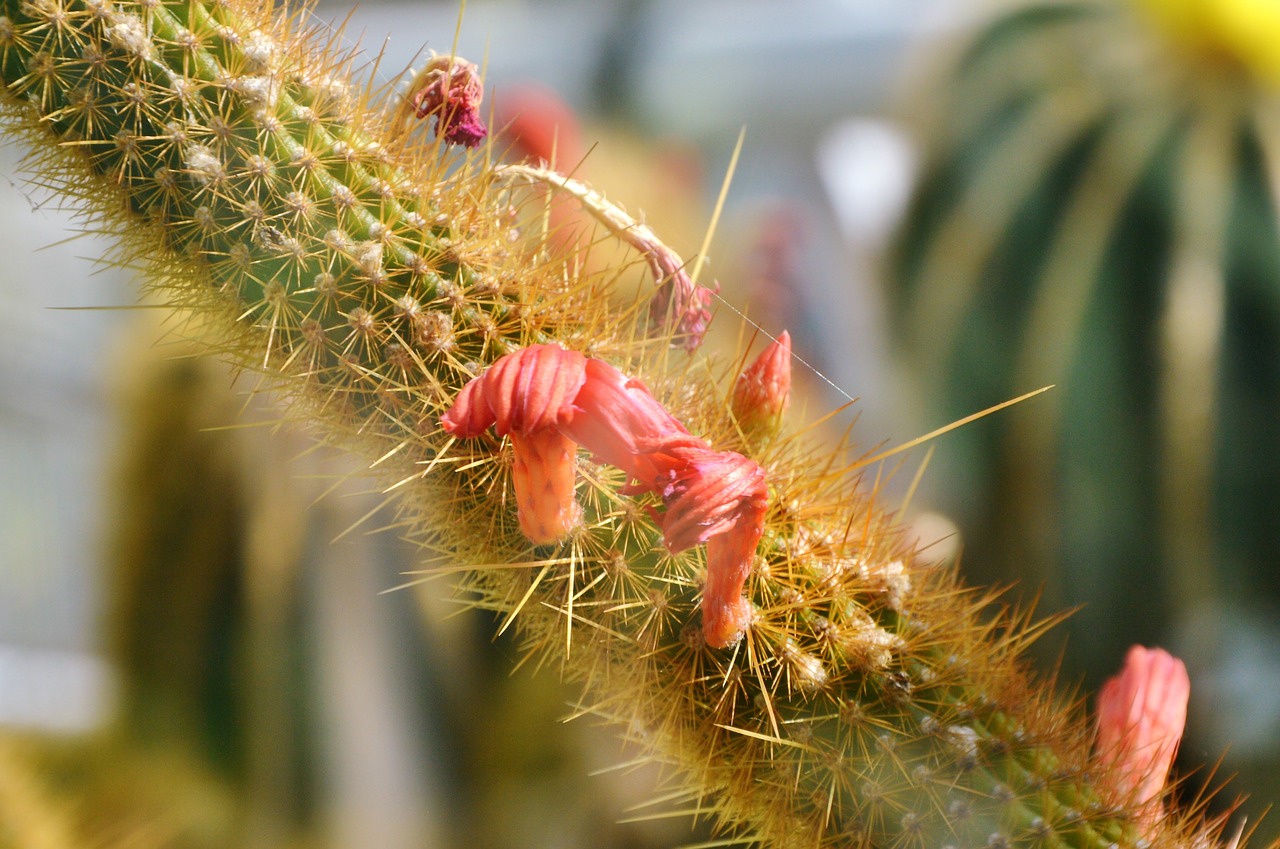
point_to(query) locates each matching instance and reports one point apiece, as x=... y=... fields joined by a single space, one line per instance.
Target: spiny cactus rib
x=871 y=701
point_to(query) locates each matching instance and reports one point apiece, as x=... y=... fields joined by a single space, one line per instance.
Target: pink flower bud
x=450 y=89
x=1141 y=716
x=763 y=391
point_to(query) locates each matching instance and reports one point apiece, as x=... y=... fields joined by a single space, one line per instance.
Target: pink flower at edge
x=1142 y=713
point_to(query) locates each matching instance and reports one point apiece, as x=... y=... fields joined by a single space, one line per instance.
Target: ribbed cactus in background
x=1099 y=212
x=371 y=275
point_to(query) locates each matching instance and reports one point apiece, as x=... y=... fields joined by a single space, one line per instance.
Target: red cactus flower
x=548 y=400
x=529 y=396
x=1141 y=716
x=716 y=497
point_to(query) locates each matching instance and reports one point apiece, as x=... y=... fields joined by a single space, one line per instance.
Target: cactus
x=1098 y=211
x=372 y=273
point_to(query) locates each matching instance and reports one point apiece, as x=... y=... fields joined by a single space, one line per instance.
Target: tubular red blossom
x=529 y=396
x=1141 y=716
x=534 y=388
x=720 y=498
x=617 y=418
x=763 y=391
x=450 y=88
x=547 y=399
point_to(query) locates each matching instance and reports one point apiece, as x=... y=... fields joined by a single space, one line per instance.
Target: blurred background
x=948 y=203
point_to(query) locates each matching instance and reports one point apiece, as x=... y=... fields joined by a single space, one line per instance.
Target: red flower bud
x=763 y=391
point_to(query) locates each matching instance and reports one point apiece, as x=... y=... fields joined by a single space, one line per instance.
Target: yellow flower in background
x=1243 y=32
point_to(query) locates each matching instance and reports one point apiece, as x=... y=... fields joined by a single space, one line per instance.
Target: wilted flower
x=679 y=306
x=450 y=89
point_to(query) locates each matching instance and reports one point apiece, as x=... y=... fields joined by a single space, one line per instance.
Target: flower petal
x=617 y=415
x=533 y=389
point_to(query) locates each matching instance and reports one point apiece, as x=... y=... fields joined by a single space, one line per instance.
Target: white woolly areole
x=338 y=240
x=369 y=256
x=181 y=86
x=260 y=48
x=203 y=163
x=129 y=34
x=259 y=90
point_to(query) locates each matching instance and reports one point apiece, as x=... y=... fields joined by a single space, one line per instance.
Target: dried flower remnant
x=763 y=391
x=680 y=307
x=549 y=400
x=1141 y=716
x=450 y=89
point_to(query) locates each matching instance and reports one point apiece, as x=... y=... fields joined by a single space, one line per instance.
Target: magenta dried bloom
x=450 y=89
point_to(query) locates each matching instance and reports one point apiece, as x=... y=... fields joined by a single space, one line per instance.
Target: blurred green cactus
x=1098 y=211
